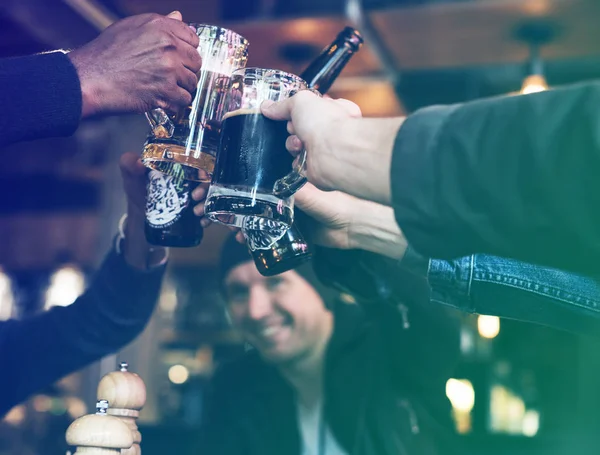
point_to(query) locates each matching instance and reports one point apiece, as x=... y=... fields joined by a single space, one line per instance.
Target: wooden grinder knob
x=99 y=433
x=124 y=391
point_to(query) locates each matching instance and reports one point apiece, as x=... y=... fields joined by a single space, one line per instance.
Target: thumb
x=281 y=110
x=130 y=163
x=314 y=202
x=175 y=15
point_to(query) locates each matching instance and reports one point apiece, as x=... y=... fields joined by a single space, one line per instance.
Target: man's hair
x=234 y=253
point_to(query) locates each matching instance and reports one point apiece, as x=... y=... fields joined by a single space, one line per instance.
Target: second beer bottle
x=292 y=249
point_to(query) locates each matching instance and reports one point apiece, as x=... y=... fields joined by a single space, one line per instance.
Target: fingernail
x=198 y=210
x=267 y=104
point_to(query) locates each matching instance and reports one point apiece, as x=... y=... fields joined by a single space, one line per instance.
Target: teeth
x=270 y=331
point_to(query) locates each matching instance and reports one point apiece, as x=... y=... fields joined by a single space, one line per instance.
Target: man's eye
x=237 y=294
x=274 y=283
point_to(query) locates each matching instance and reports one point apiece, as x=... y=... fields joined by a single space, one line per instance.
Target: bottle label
x=166 y=199
x=262 y=234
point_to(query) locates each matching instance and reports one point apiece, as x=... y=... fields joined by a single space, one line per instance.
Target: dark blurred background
x=519 y=388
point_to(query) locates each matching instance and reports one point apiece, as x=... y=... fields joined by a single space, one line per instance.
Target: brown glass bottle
x=292 y=249
x=170 y=219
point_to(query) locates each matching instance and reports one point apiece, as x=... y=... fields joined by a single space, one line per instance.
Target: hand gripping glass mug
x=255 y=176
x=190 y=137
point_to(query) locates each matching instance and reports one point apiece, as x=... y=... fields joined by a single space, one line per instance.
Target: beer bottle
x=291 y=250
x=170 y=219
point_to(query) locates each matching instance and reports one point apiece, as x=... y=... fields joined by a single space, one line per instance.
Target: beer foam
x=243 y=111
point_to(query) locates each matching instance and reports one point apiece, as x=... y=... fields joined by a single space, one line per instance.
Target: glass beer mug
x=252 y=162
x=190 y=137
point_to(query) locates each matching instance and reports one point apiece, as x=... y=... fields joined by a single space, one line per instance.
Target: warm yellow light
x=168 y=298
x=66 y=284
x=531 y=423
x=42 y=403
x=178 y=374
x=461 y=394
x=533 y=84
x=488 y=326
x=15 y=416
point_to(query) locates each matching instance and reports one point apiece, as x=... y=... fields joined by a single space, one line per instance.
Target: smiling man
x=326 y=377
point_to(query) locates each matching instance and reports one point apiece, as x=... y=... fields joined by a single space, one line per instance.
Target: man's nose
x=259 y=304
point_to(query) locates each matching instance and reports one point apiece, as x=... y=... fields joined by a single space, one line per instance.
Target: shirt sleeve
x=113 y=311
x=40 y=96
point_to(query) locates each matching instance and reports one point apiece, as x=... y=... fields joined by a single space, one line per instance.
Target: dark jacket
x=40 y=97
x=511 y=176
x=37 y=351
x=384 y=390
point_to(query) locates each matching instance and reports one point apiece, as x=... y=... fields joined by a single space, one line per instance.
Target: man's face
x=281 y=316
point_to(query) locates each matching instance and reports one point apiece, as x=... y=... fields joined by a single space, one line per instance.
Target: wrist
x=89 y=98
x=136 y=250
x=374 y=229
x=363 y=152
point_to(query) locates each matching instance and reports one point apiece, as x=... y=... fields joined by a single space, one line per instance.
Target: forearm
x=138 y=253
x=39 y=350
x=362 y=148
x=509 y=176
x=375 y=230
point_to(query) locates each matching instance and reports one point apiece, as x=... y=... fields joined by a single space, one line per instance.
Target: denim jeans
x=509 y=288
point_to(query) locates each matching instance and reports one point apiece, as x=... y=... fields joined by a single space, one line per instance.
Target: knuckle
x=155 y=19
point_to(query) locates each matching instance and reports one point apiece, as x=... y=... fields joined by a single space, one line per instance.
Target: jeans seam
x=471 y=272
x=556 y=296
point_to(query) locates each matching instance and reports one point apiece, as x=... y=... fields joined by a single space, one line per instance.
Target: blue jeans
x=512 y=289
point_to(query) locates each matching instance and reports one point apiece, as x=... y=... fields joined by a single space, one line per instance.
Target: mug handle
x=288 y=185
x=161 y=124
x=291 y=183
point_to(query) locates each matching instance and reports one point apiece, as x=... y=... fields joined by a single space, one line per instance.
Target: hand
x=138 y=64
x=314 y=124
x=338 y=220
x=331 y=216
x=343 y=152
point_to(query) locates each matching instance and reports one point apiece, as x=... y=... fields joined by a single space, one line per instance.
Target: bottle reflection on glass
x=277 y=254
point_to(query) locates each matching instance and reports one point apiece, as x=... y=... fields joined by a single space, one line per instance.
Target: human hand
x=314 y=124
x=138 y=64
x=339 y=220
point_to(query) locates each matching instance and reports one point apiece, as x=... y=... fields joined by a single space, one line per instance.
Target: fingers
x=282 y=110
x=181 y=30
x=294 y=145
x=186 y=79
x=175 y=15
x=290 y=128
x=199 y=195
x=240 y=237
x=178 y=98
x=130 y=163
x=199 y=192
x=190 y=58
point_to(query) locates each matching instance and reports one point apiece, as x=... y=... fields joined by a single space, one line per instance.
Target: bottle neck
x=323 y=72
